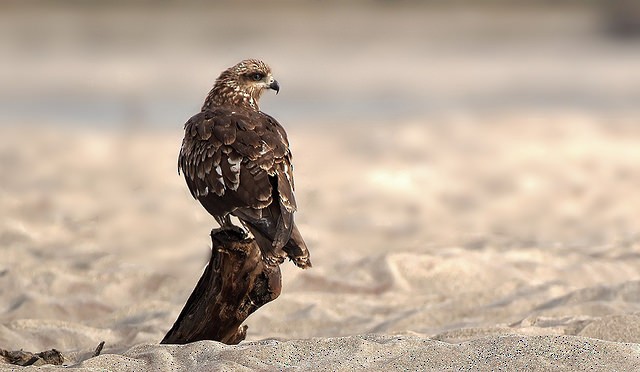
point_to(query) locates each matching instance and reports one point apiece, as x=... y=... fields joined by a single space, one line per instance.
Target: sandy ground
x=454 y=242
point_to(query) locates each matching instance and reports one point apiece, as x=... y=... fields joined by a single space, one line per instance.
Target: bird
x=236 y=161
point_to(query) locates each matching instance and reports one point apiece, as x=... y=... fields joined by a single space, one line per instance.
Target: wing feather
x=239 y=162
x=243 y=152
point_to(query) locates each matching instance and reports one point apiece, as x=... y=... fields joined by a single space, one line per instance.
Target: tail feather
x=295 y=248
x=276 y=234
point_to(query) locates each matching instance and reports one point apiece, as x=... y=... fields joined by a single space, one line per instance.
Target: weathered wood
x=235 y=283
x=98 y=349
x=26 y=358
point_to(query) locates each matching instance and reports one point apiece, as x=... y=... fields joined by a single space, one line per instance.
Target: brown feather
x=236 y=160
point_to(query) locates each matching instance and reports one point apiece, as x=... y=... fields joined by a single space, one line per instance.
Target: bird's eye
x=257 y=76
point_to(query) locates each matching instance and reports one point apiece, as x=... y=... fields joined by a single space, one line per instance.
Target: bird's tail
x=295 y=248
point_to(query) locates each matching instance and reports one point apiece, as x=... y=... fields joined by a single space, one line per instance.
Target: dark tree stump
x=235 y=283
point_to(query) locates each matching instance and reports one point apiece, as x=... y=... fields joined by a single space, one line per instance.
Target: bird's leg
x=220 y=221
x=226 y=224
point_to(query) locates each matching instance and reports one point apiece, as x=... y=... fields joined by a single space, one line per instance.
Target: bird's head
x=242 y=84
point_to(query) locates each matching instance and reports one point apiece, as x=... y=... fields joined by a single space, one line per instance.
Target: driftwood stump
x=235 y=283
x=26 y=358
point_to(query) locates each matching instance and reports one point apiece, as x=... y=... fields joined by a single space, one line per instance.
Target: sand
x=445 y=243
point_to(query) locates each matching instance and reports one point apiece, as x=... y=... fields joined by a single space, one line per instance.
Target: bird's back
x=237 y=161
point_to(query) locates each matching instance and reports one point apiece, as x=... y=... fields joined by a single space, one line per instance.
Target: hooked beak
x=275 y=86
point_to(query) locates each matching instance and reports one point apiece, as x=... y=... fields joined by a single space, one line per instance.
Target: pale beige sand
x=492 y=242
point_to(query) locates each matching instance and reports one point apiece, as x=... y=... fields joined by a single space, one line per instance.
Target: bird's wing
x=282 y=173
x=283 y=165
x=242 y=153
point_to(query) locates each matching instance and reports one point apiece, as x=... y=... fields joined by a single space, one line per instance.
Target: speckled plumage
x=236 y=161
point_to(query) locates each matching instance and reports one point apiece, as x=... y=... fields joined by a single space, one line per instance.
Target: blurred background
x=119 y=64
x=458 y=164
